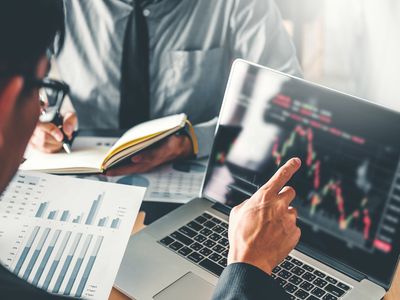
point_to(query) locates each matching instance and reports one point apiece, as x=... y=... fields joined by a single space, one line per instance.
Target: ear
x=9 y=94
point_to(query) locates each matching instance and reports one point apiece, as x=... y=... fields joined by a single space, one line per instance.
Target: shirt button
x=146 y=12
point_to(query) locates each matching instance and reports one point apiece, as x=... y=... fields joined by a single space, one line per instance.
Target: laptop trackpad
x=189 y=286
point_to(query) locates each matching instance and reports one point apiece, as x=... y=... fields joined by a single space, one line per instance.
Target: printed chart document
x=66 y=235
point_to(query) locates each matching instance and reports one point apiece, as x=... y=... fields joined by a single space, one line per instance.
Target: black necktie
x=135 y=91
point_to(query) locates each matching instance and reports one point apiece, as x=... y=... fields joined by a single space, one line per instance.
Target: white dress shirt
x=192 y=46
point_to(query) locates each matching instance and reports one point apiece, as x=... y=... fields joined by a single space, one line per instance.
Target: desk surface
x=142 y=219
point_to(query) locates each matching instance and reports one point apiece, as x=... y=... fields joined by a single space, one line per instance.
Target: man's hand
x=48 y=138
x=174 y=147
x=263 y=230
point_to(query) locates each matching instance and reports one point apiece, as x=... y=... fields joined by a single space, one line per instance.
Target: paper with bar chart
x=66 y=235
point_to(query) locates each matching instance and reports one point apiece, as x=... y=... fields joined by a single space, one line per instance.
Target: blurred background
x=352 y=46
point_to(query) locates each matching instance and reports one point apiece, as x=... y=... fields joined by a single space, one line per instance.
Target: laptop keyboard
x=204 y=241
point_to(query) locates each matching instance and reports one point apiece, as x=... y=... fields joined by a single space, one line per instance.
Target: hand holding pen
x=54 y=131
x=50 y=137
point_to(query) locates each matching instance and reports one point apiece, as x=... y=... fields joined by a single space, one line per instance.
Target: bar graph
x=93 y=210
x=56 y=261
x=63 y=241
x=115 y=223
x=46 y=257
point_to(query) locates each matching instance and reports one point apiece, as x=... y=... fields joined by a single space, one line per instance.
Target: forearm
x=246 y=282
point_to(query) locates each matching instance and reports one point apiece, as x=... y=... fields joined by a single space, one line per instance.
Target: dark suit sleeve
x=12 y=287
x=246 y=282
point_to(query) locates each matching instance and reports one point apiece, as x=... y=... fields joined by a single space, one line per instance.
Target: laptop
x=348 y=194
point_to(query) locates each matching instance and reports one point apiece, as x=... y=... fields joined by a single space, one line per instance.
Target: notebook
x=92 y=159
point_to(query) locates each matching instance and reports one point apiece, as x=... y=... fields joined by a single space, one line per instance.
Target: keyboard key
x=276 y=269
x=301 y=294
x=176 y=246
x=291 y=297
x=296 y=262
x=200 y=219
x=289 y=258
x=290 y=288
x=215 y=220
x=205 y=251
x=219 y=249
x=206 y=215
x=280 y=281
x=219 y=229
x=196 y=246
x=215 y=237
x=223 y=262
x=225 y=234
x=284 y=274
x=225 y=225
x=166 y=241
x=223 y=242
x=308 y=276
x=319 y=274
x=225 y=253
x=287 y=265
x=296 y=280
x=331 y=280
x=209 y=243
x=343 y=286
x=211 y=266
x=195 y=257
x=195 y=226
x=187 y=231
x=318 y=292
x=205 y=231
x=209 y=224
x=183 y=239
x=215 y=257
x=320 y=282
x=307 y=268
x=200 y=238
x=312 y=298
x=334 y=290
x=298 y=271
x=185 y=251
x=329 y=297
x=306 y=286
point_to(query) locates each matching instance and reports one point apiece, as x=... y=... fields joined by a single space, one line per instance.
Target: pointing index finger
x=282 y=176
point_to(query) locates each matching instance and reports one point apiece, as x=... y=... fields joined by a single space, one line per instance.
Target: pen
x=58 y=121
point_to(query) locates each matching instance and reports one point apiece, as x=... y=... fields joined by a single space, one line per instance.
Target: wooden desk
x=393 y=294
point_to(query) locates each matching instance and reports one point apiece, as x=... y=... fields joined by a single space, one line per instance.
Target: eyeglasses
x=51 y=96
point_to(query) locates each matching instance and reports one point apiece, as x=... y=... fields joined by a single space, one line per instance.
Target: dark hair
x=28 y=28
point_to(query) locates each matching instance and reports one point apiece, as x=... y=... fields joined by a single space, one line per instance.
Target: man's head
x=27 y=30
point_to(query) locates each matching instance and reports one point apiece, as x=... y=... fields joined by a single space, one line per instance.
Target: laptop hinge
x=333 y=263
x=222 y=208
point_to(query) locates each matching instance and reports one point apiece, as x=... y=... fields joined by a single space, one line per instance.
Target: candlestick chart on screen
x=343 y=178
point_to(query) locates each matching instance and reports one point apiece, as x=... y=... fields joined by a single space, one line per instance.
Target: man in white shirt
x=191 y=45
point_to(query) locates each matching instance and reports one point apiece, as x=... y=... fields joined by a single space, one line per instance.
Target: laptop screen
x=348 y=188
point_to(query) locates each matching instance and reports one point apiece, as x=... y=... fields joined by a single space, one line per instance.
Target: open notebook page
x=86 y=157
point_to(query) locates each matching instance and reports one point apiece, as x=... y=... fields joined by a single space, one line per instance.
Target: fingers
x=70 y=123
x=282 y=176
x=52 y=130
x=287 y=195
x=45 y=138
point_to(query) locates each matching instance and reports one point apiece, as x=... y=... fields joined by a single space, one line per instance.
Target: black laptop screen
x=348 y=188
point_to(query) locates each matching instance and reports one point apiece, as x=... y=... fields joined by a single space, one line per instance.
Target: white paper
x=175 y=182
x=87 y=152
x=92 y=221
